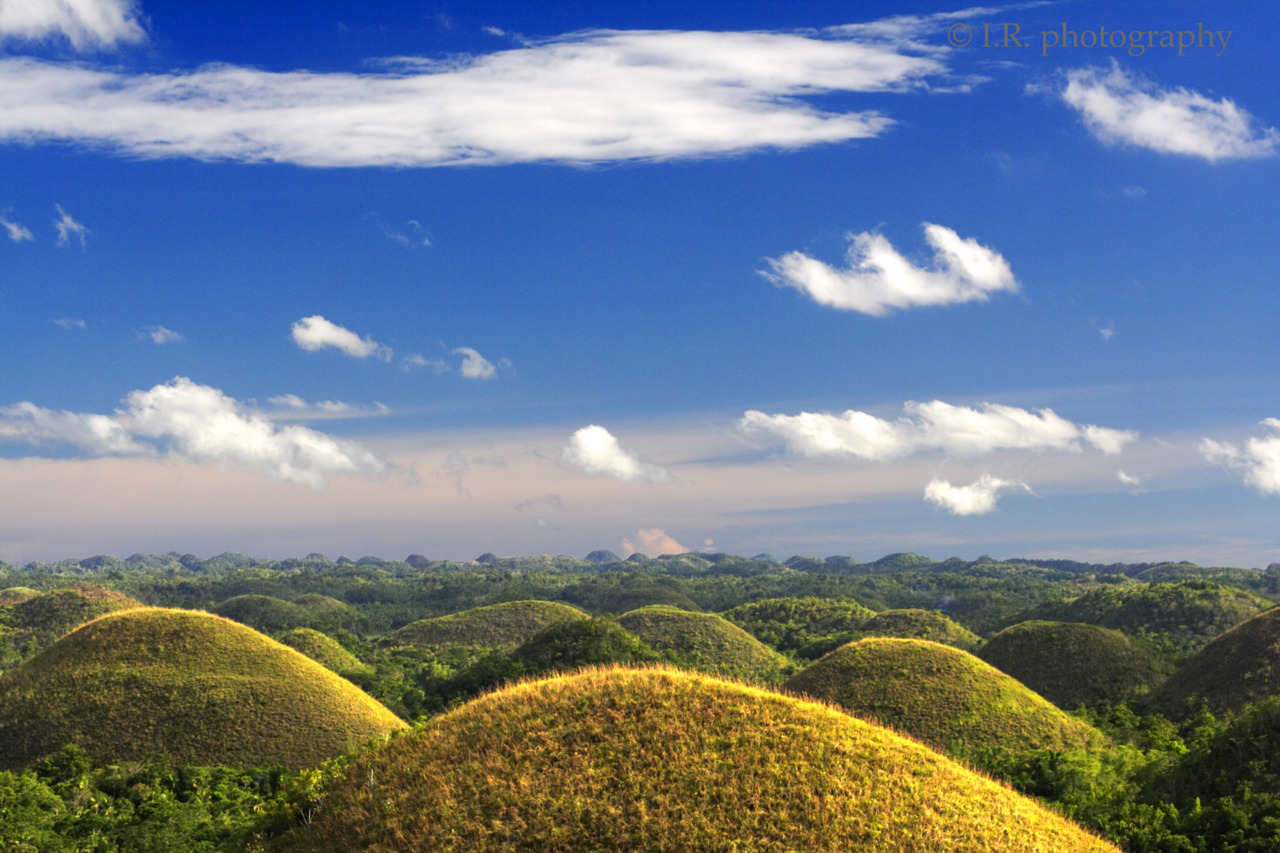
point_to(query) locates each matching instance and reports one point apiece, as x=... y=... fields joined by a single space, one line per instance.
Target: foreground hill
x=1073 y=664
x=148 y=683
x=944 y=696
x=498 y=626
x=1241 y=666
x=660 y=760
x=706 y=642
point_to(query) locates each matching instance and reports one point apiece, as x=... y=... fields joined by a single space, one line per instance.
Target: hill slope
x=915 y=624
x=499 y=626
x=791 y=624
x=706 y=642
x=151 y=682
x=1073 y=664
x=944 y=696
x=659 y=760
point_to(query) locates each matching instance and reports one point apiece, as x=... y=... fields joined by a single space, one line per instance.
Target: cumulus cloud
x=86 y=24
x=16 y=231
x=68 y=228
x=316 y=333
x=160 y=335
x=593 y=449
x=1259 y=460
x=652 y=542
x=474 y=365
x=199 y=424
x=878 y=279
x=932 y=426
x=977 y=498
x=1120 y=108
x=587 y=97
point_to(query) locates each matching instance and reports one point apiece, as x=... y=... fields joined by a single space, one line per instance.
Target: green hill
x=913 y=624
x=151 y=682
x=1175 y=617
x=264 y=613
x=16 y=594
x=705 y=642
x=792 y=624
x=43 y=618
x=941 y=695
x=497 y=626
x=1073 y=664
x=324 y=650
x=1241 y=666
x=660 y=760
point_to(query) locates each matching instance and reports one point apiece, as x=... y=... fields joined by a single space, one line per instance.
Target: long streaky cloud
x=927 y=427
x=1120 y=108
x=17 y=232
x=594 y=449
x=316 y=333
x=198 y=424
x=977 y=498
x=86 y=24
x=1258 y=461
x=590 y=97
x=878 y=279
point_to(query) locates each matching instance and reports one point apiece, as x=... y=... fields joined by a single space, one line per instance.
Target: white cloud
x=436 y=365
x=1259 y=460
x=593 y=449
x=69 y=322
x=160 y=335
x=927 y=427
x=879 y=279
x=294 y=407
x=652 y=542
x=315 y=333
x=587 y=97
x=474 y=365
x=977 y=498
x=17 y=232
x=1132 y=483
x=199 y=424
x=1120 y=108
x=69 y=228
x=84 y=23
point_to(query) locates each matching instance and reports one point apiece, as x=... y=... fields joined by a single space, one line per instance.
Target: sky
x=806 y=278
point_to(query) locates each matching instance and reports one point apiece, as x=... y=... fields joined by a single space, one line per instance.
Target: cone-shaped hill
x=44 y=617
x=914 y=624
x=706 y=642
x=791 y=624
x=941 y=695
x=500 y=626
x=662 y=760
x=16 y=594
x=264 y=613
x=152 y=682
x=325 y=650
x=1241 y=666
x=1073 y=664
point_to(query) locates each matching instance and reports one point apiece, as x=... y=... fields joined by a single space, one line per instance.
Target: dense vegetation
x=706 y=642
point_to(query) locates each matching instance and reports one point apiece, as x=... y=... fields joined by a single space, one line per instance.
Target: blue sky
x=812 y=278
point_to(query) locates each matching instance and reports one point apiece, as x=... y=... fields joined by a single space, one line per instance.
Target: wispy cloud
x=160 y=335
x=932 y=426
x=879 y=279
x=316 y=333
x=68 y=228
x=593 y=449
x=1121 y=108
x=652 y=542
x=977 y=498
x=474 y=365
x=417 y=361
x=16 y=231
x=198 y=424
x=293 y=407
x=86 y=24
x=68 y=322
x=587 y=97
x=1259 y=460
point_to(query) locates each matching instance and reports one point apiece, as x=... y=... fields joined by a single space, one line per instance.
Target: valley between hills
x=697 y=701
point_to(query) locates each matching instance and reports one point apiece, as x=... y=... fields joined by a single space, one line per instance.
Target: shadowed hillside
x=659 y=760
x=44 y=617
x=706 y=642
x=498 y=626
x=794 y=624
x=150 y=682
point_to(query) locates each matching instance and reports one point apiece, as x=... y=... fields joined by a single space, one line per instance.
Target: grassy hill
x=497 y=626
x=1241 y=666
x=44 y=617
x=793 y=624
x=660 y=760
x=1073 y=664
x=15 y=594
x=941 y=695
x=1176 y=617
x=706 y=642
x=152 y=682
x=914 y=624
x=264 y=613
x=324 y=650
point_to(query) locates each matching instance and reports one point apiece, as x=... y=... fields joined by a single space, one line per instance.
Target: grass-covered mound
x=706 y=642
x=914 y=624
x=324 y=650
x=797 y=624
x=941 y=695
x=1241 y=666
x=152 y=682
x=264 y=613
x=1174 y=617
x=43 y=618
x=497 y=626
x=660 y=760
x=1073 y=664
x=15 y=594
